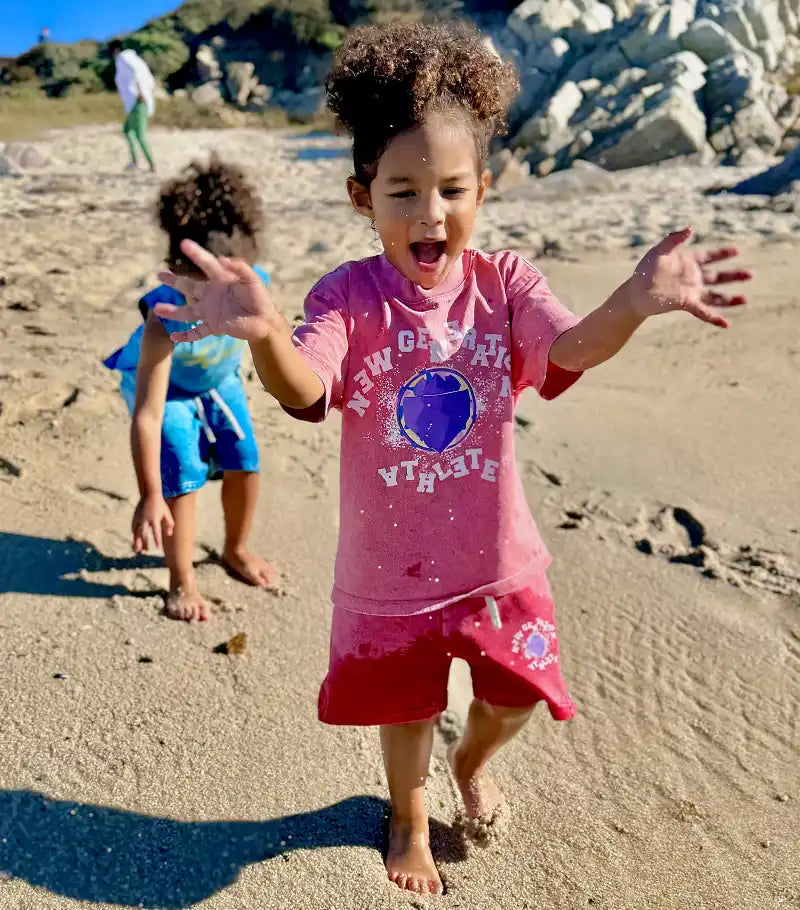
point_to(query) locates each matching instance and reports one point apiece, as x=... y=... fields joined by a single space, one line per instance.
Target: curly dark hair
x=214 y=205
x=386 y=79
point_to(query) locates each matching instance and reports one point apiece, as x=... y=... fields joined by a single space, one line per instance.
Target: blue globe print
x=436 y=409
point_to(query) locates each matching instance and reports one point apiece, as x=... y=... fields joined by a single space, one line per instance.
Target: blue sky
x=70 y=20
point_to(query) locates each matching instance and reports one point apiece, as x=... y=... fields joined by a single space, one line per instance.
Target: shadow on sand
x=110 y=856
x=42 y=565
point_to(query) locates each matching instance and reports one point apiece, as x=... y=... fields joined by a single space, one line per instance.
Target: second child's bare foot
x=484 y=803
x=186 y=603
x=249 y=568
x=409 y=861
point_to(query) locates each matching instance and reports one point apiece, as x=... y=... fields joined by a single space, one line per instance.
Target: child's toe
x=268 y=575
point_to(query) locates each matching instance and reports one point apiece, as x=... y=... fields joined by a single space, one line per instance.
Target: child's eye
x=454 y=191
x=404 y=194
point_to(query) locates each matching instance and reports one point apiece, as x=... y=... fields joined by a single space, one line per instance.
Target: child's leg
x=139 y=114
x=488 y=729
x=511 y=646
x=129 y=129
x=406 y=756
x=184 y=600
x=239 y=498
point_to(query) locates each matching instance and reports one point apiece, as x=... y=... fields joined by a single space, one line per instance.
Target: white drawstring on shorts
x=219 y=401
x=230 y=416
x=494 y=612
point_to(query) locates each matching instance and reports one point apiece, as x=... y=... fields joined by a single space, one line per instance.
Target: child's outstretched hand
x=231 y=301
x=670 y=277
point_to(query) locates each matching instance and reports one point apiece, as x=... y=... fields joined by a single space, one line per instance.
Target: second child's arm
x=152 y=515
x=234 y=301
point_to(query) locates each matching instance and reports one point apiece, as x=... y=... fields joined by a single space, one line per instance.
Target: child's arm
x=666 y=279
x=283 y=372
x=234 y=301
x=152 y=514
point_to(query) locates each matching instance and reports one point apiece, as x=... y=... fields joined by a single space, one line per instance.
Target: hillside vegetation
x=279 y=35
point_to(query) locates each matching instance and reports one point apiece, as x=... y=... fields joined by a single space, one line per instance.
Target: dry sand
x=140 y=768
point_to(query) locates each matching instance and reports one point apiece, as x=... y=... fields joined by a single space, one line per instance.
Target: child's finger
x=714 y=276
x=167 y=277
x=671 y=241
x=191 y=288
x=194 y=334
x=242 y=271
x=155 y=527
x=168 y=524
x=205 y=261
x=189 y=312
x=706 y=315
x=725 y=252
x=711 y=298
x=140 y=538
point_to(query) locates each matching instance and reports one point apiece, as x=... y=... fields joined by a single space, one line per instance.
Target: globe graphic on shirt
x=436 y=409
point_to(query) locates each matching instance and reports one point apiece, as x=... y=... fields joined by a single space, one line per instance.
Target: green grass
x=26 y=113
x=181 y=113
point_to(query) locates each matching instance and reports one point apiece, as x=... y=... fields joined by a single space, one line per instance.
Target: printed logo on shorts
x=536 y=644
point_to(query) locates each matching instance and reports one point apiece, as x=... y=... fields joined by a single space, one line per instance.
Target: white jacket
x=133 y=78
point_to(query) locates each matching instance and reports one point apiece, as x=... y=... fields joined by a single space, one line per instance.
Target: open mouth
x=428 y=254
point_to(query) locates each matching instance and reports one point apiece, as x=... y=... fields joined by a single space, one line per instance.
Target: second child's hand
x=231 y=300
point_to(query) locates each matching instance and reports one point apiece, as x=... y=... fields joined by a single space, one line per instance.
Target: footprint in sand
x=676 y=534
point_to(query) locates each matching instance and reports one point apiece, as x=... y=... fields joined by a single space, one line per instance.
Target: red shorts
x=394 y=669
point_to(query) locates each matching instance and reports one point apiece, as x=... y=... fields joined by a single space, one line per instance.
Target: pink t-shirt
x=432 y=508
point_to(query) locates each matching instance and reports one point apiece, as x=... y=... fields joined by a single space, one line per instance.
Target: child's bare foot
x=484 y=802
x=249 y=568
x=185 y=602
x=409 y=860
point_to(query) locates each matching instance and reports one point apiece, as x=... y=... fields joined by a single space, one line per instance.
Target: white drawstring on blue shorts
x=219 y=401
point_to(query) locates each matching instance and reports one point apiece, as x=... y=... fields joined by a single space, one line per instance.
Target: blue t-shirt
x=197 y=366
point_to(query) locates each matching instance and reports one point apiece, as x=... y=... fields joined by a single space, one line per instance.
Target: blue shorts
x=202 y=437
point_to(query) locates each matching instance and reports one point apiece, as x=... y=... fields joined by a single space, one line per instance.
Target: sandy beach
x=142 y=768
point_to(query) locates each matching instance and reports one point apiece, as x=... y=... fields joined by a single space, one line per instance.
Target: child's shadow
x=109 y=856
x=41 y=565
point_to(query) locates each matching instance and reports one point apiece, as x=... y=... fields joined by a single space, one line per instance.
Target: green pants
x=135 y=128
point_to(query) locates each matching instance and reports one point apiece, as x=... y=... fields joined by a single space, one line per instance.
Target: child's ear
x=360 y=198
x=484 y=182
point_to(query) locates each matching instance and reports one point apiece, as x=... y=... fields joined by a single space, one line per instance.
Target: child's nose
x=432 y=210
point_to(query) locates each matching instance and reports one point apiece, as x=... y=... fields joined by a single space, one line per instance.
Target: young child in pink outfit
x=425 y=350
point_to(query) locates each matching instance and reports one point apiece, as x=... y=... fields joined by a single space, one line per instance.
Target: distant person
x=425 y=351
x=44 y=35
x=190 y=417
x=136 y=86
